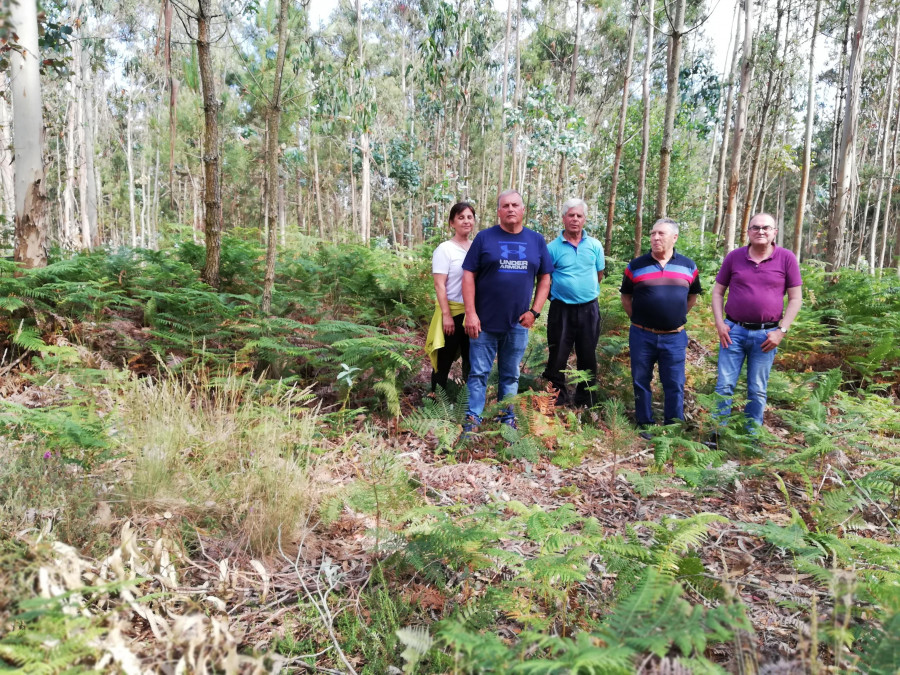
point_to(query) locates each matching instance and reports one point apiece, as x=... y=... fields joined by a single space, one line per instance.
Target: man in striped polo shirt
x=658 y=290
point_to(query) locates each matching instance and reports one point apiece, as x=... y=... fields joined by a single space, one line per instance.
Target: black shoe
x=508 y=417
x=646 y=435
x=712 y=442
x=469 y=427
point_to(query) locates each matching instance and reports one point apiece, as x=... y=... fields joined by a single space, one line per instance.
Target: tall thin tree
x=620 y=134
x=28 y=127
x=273 y=124
x=645 y=135
x=841 y=205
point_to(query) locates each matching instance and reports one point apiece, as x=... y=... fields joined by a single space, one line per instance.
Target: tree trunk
x=848 y=141
x=645 y=136
x=213 y=188
x=28 y=125
x=509 y=6
x=516 y=94
x=570 y=101
x=807 y=138
x=726 y=131
x=890 y=191
x=740 y=124
x=761 y=124
x=86 y=172
x=7 y=174
x=620 y=135
x=67 y=226
x=884 y=145
x=129 y=159
x=273 y=124
x=673 y=68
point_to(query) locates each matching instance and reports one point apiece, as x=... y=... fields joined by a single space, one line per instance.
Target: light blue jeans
x=746 y=345
x=508 y=348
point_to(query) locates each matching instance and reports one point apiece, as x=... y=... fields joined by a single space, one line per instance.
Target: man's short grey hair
x=667 y=221
x=575 y=202
x=506 y=193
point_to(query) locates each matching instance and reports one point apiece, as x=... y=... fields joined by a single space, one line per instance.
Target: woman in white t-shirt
x=447 y=339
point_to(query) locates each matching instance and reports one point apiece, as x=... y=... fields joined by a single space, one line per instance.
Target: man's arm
x=473 y=323
x=692 y=300
x=626 y=303
x=795 y=301
x=718 y=310
x=541 y=291
x=599 y=276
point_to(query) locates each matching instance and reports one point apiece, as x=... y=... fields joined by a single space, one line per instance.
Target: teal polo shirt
x=575 y=269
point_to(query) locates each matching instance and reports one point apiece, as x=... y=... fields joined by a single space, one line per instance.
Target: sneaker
x=646 y=435
x=470 y=426
x=508 y=417
x=712 y=441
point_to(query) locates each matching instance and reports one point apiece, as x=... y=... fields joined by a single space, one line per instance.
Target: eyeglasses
x=761 y=228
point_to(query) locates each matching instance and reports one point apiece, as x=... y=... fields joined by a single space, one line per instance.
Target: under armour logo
x=508 y=251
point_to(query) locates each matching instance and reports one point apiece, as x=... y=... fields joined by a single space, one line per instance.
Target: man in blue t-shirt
x=499 y=275
x=658 y=290
x=574 y=317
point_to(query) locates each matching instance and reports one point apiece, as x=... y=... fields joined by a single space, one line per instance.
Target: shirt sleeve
x=792 y=277
x=695 y=287
x=601 y=260
x=724 y=275
x=627 y=287
x=440 y=261
x=546 y=266
x=470 y=264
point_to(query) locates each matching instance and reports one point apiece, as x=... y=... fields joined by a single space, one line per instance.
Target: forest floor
x=190 y=523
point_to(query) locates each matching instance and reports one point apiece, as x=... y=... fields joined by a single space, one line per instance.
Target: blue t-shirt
x=505 y=266
x=575 y=269
x=659 y=295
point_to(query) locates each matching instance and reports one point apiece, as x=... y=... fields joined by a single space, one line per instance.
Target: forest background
x=217 y=450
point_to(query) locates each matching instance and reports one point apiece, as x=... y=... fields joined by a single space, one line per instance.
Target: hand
x=473 y=325
x=449 y=325
x=527 y=319
x=724 y=332
x=773 y=339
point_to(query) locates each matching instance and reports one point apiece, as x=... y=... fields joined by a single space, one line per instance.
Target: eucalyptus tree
x=30 y=192
x=673 y=67
x=841 y=203
x=740 y=125
x=620 y=134
x=645 y=133
x=807 y=135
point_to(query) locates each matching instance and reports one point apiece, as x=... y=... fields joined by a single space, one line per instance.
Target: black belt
x=750 y=325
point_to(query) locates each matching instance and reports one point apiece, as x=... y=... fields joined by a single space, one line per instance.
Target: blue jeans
x=668 y=350
x=745 y=344
x=508 y=348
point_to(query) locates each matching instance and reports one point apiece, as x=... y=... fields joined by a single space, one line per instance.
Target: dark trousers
x=571 y=326
x=454 y=345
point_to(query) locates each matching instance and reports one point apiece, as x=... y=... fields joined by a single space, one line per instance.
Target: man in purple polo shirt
x=754 y=320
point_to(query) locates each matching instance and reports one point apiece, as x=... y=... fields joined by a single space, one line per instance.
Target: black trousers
x=454 y=345
x=571 y=326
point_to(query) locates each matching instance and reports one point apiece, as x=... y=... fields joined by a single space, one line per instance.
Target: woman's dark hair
x=458 y=208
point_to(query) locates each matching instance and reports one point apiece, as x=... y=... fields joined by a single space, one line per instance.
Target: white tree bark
x=7 y=175
x=28 y=128
x=885 y=148
x=847 y=156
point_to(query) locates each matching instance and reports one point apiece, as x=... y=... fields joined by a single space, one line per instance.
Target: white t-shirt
x=448 y=259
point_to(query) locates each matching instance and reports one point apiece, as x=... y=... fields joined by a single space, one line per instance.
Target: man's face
x=573 y=221
x=762 y=230
x=511 y=211
x=662 y=238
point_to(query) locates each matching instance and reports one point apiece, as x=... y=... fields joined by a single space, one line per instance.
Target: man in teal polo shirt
x=574 y=317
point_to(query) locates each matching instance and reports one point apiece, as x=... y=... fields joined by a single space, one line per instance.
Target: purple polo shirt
x=756 y=290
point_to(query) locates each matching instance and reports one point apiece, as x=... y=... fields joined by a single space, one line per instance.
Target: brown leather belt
x=657 y=331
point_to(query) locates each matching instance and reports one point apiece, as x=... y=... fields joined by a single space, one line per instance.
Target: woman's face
x=463 y=223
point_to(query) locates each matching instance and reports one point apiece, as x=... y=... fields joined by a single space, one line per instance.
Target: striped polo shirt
x=659 y=295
